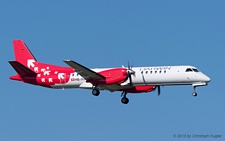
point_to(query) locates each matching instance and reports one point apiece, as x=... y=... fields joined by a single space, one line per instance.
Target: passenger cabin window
x=188 y=70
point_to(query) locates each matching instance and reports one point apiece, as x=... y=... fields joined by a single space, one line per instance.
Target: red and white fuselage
x=127 y=80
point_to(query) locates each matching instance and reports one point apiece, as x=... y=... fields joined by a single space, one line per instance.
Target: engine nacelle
x=112 y=76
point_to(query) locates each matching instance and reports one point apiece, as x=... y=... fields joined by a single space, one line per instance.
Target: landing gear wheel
x=125 y=100
x=194 y=94
x=95 y=92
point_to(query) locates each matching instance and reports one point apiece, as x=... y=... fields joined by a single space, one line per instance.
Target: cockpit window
x=188 y=70
x=195 y=70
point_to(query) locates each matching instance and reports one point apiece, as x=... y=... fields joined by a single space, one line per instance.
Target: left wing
x=83 y=71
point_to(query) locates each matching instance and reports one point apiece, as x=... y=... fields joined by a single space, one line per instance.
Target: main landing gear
x=95 y=92
x=124 y=100
x=194 y=93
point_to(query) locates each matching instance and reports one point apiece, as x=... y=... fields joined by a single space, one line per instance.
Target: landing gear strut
x=194 y=93
x=124 y=100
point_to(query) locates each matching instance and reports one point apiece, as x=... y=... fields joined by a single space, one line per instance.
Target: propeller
x=129 y=73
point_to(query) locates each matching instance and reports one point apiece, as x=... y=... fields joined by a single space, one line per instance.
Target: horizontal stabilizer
x=21 y=69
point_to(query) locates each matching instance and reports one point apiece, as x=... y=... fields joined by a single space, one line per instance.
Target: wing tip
x=67 y=60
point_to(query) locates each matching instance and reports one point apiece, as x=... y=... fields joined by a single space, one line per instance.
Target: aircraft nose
x=207 y=79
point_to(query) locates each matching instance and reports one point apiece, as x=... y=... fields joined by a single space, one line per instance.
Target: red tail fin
x=23 y=54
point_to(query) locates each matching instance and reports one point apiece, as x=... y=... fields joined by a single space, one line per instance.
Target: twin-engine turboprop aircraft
x=127 y=80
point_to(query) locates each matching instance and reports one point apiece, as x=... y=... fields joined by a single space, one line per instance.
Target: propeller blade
x=128 y=65
x=129 y=75
x=158 y=90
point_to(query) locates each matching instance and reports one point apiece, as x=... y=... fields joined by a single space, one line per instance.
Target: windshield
x=188 y=70
x=192 y=70
x=195 y=70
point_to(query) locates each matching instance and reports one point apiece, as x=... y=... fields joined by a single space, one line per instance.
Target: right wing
x=86 y=73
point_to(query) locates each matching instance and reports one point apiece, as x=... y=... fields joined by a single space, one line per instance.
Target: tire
x=125 y=100
x=194 y=94
x=95 y=92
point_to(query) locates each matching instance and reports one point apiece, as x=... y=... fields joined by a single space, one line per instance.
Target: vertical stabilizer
x=22 y=53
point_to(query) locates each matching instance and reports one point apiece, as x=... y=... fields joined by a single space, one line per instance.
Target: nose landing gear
x=194 y=93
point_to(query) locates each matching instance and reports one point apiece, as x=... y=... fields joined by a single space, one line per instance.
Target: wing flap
x=86 y=73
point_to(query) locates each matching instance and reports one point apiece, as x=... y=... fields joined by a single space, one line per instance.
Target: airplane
x=125 y=79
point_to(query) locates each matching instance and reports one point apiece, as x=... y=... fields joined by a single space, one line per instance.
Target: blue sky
x=108 y=34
